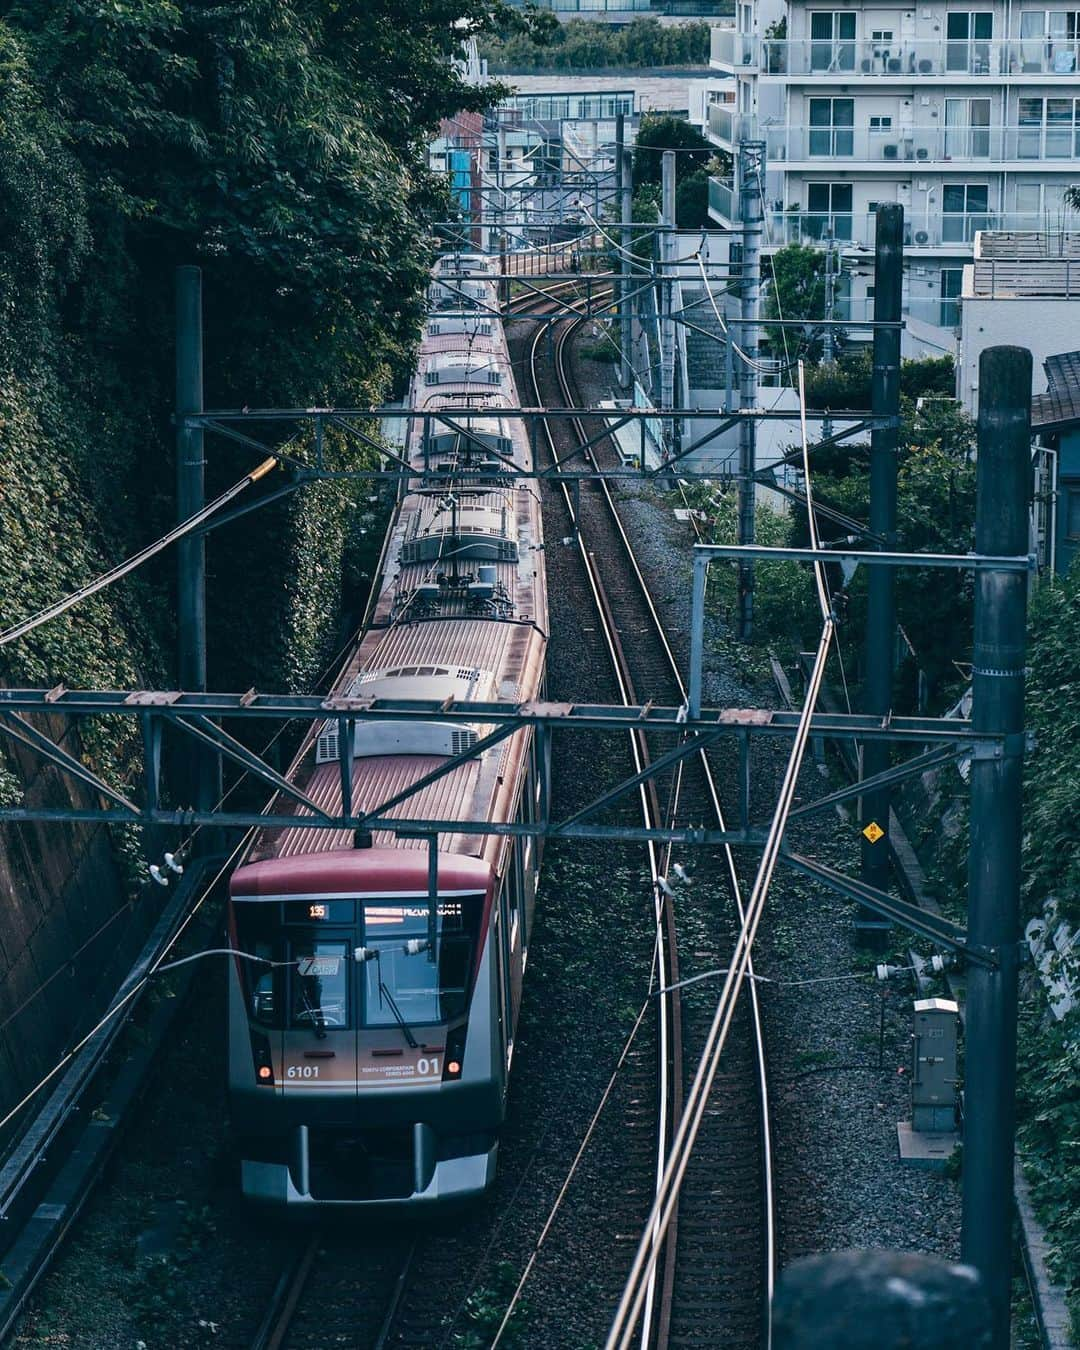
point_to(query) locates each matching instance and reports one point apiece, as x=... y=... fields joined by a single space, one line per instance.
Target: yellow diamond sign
x=874 y=832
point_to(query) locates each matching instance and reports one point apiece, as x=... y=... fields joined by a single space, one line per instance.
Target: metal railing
x=722 y=198
x=725 y=124
x=894 y=57
x=924 y=145
x=930 y=229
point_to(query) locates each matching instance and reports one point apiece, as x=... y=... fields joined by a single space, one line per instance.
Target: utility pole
x=881 y=616
x=1003 y=495
x=626 y=212
x=828 y=346
x=196 y=779
x=750 y=167
x=667 y=324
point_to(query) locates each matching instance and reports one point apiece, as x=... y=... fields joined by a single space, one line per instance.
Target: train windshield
x=408 y=981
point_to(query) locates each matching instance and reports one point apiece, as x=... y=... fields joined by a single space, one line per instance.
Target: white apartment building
x=968 y=114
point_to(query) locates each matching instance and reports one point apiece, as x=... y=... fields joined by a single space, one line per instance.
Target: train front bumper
x=419 y=1181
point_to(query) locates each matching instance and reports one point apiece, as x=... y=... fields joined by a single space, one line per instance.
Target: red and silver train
x=368 y=1065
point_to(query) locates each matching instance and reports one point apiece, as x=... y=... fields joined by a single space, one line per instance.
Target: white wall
x=1045 y=326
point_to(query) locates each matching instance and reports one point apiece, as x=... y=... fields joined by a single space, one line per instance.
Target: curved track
x=716 y=1274
x=712 y=1283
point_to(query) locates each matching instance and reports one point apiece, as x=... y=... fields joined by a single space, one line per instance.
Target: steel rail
x=669 y=1037
x=759 y=1049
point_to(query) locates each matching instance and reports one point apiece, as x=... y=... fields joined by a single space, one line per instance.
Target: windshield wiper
x=364 y=954
x=414 y=1044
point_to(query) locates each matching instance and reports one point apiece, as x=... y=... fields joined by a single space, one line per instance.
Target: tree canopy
x=582 y=44
x=280 y=145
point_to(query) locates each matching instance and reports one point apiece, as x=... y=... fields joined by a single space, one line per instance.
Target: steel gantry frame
x=197 y=716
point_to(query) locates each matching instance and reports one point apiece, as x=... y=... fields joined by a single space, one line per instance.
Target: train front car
x=370 y=1038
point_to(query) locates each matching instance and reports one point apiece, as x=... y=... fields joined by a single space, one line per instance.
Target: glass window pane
x=843 y=112
x=845 y=26
x=821 y=26
x=1027 y=198
x=817 y=198
x=319 y=985
x=956 y=27
x=1031 y=112
x=983 y=25
x=952 y=198
x=1032 y=23
x=820 y=112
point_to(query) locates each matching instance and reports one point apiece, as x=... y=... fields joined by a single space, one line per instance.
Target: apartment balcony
x=1050 y=146
x=938 y=313
x=722 y=200
x=727 y=127
x=930 y=229
x=733 y=51
x=806 y=59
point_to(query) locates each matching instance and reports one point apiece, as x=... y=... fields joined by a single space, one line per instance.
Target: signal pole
x=1003 y=496
x=881 y=617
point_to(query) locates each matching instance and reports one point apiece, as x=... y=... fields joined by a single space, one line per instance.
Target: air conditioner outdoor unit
x=922 y=237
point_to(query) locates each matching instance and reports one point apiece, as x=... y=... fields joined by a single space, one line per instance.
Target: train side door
x=319 y=1050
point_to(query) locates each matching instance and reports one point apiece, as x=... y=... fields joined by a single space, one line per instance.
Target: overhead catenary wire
x=629 y=1310
x=129 y=565
x=136 y=989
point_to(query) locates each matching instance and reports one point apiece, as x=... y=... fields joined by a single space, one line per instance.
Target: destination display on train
x=388 y=914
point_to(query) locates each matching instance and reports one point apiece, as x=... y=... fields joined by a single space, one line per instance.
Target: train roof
x=357 y=873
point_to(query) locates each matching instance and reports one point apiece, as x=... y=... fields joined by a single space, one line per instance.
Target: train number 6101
x=302 y=1071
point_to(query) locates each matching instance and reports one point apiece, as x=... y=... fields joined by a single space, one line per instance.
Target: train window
x=319 y=985
x=403 y=983
x=264 y=1003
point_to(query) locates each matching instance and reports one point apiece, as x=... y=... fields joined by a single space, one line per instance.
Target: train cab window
x=319 y=985
x=403 y=983
x=264 y=992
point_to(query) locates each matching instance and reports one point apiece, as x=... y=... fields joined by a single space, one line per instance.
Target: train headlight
x=264 y=1068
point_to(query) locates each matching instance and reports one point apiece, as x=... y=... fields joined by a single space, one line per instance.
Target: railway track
x=715 y=1277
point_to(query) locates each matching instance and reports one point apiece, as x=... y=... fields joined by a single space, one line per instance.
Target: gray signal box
x=933 y=1066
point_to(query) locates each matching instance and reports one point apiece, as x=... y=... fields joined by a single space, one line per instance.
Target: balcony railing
x=722 y=198
x=943 y=312
x=912 y=59
x=728 y=48
x=924 y=145
x=725 y=124
x=929 y=230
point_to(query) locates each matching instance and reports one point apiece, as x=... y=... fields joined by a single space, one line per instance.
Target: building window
x=1049 y=40
x=828 y=210
x=952 y=279
x=832 y=122
x=832 y=40
x=967 y=128
x=968 y=37
x=1071 y=494
x=880 y=125
x=964 y=209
